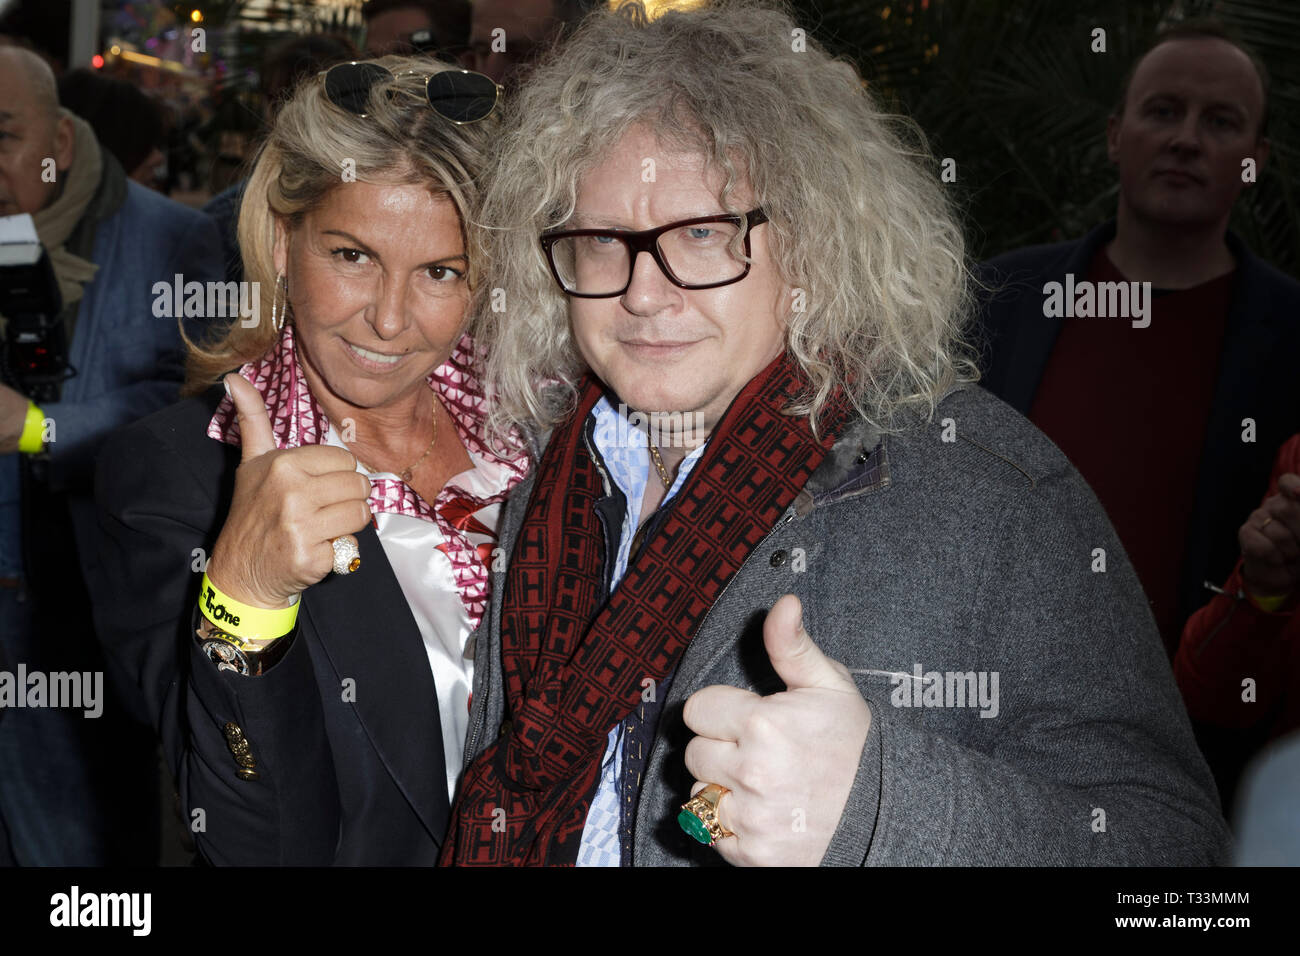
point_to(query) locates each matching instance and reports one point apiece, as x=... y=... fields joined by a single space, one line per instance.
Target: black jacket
x=344 y=730
x=1257 y=380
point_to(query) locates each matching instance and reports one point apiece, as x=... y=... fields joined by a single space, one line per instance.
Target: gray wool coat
x=928 y=562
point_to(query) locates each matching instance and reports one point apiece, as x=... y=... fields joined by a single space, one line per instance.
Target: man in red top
x=1173 y=408
x=1173 y=405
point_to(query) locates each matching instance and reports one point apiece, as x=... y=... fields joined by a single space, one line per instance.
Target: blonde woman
x=295 y=562
x=858 y=623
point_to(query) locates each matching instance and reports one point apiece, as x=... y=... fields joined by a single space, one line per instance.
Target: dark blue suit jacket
x=1257 y=380
x=346 y=779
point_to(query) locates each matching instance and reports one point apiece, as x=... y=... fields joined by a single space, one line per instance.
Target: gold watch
x=248 y=658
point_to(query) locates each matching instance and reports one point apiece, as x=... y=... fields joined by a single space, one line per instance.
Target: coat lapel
x=857 y=464
x=1032 y=334
x=369 y=634
x=1232 y=470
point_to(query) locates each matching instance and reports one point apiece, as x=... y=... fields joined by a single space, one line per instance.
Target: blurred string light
x=196 y=16
x=133 y=56
x=654 y=8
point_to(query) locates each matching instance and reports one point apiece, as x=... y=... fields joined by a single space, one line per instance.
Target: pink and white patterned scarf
x=297 y=420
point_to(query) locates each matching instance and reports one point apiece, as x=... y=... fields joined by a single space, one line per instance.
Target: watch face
x=226 y=656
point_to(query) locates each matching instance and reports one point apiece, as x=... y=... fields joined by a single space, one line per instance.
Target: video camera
x=35 y=355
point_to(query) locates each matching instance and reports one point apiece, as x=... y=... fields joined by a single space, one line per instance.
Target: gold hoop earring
x=278 y=315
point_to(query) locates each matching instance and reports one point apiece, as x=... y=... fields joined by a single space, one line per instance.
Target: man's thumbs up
x=795 y=658
x=786 y=761
x=255 y=435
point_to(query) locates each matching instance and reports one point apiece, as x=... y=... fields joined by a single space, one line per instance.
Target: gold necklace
x=659 y=465
x=406 y=473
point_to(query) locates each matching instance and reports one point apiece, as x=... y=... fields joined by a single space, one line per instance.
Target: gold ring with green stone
x=699 y=815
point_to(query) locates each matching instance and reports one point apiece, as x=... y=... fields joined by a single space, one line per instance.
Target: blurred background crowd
x=998 y=84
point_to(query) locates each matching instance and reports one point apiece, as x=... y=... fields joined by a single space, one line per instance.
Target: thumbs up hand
x=788 y=759
x=287 y=506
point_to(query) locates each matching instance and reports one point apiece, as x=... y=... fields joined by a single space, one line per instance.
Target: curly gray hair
x=859 y=221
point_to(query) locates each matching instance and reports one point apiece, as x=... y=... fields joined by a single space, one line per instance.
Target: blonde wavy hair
x=401 y=141
x=858 y=219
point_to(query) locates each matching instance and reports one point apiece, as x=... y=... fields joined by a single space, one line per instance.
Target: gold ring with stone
x=347 y=554
x=699 y=815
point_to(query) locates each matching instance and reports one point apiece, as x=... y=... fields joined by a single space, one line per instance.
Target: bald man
x=78 y=785
x=34 y=130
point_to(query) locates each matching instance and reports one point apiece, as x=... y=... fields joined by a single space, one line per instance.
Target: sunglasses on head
x=461 y=96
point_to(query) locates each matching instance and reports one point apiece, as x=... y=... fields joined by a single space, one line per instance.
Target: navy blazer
x=344 y=730
x=1261 y=346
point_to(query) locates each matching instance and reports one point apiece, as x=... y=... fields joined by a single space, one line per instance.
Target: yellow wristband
x=244 y=621
x=1267 y=603
x=32 y=440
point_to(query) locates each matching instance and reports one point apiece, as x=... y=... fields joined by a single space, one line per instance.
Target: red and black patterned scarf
x=572 y=669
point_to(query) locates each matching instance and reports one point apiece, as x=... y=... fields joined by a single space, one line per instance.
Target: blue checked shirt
x=626 y=454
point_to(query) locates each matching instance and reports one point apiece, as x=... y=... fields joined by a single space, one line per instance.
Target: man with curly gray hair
x=783 y=587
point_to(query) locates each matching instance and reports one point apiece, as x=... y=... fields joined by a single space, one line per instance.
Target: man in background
x=128 y=122
x=1174 y=410
x=405 y=27
x=77 y=789
x=506 y=36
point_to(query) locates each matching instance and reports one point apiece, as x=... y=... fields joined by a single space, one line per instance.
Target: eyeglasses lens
x=348 y=85
x=700 y=254
x=462 y=97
